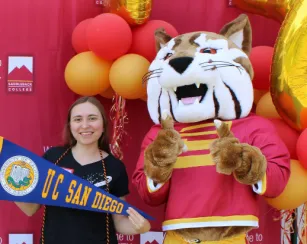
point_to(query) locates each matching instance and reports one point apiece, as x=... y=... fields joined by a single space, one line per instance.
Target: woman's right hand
x=140 y=224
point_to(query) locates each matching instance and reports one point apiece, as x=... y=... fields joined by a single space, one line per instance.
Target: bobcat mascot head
x=202 y=75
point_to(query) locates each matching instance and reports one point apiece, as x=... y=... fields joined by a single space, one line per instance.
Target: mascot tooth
x=207 y=158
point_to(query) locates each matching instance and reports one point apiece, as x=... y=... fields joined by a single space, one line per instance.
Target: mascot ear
x=161 y=38
x=239 y=31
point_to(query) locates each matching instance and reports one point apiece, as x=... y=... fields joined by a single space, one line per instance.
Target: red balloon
x=261 y=59
x=301 y=148
x=143 y=38
x=78 y=38
x=109 y=36
x=288 y=135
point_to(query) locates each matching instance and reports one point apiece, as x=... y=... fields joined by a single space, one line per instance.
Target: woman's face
x=86 y=123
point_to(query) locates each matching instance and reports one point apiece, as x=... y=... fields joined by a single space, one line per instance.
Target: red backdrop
x=42 y=30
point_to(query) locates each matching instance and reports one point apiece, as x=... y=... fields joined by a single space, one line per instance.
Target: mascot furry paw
x=208 y=158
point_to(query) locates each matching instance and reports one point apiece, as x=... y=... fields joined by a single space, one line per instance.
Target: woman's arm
x=130 y=225
x=28 y=208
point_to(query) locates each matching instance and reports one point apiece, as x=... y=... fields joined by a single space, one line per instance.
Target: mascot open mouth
x=191 y=94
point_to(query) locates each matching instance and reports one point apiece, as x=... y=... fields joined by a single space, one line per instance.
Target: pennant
x=26 y=177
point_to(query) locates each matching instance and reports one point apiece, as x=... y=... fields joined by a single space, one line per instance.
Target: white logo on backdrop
x=20 y=238
x=152 y=237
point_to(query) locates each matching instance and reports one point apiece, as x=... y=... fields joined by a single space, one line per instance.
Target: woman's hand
x=139 y=223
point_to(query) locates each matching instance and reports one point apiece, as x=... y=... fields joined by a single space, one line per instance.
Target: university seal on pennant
x=19 y=176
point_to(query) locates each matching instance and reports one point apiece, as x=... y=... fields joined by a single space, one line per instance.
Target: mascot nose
x=180 y=64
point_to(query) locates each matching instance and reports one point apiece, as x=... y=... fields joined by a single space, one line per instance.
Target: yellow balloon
x=266 y=108
x=87 y=75
x=126 y=76
x=135 y=12
x=295 y=193
x=289 y=72
x=289 y=67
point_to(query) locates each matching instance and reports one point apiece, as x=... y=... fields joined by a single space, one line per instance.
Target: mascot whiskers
x=208 y=158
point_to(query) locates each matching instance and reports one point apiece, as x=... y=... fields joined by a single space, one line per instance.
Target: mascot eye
x=168 y=55
x=208 y=50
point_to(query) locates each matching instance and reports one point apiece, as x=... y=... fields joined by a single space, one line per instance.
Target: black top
x=67 y=225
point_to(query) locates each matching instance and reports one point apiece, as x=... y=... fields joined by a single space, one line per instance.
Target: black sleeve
x=47 y=154
x=121 y=186
x=53 y=153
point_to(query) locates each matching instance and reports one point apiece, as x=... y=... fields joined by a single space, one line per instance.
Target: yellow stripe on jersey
x=198 y=133
x=198 y=145
x=193 y=161
x=212 y=219
x=193 y=127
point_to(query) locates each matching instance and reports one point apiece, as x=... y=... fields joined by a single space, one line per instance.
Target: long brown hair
x=103 y=142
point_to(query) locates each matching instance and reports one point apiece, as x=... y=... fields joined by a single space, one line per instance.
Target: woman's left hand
x=140 y=224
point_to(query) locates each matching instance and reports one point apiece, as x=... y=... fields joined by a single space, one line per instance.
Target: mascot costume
x=208 y=158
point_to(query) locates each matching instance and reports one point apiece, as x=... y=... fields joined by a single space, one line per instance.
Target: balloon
x=78 y=39
x=288 y=135
x=261 y=59
x=144 y=99
x=135 y=12
x=288 y=72
x=109 y=93
x=126 y=76
x=266 y=108
x=286 y=104
x=143 y=38
x=87 y=75
x=109 y=36
x=273 y=9
x=294 y=194
x=303 y=116
x=301 y=148
x=257 y=95
x=289 y=68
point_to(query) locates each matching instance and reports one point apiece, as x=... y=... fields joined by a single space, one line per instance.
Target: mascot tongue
x=189 y=100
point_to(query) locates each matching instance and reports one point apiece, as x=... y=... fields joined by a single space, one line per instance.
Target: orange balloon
x=109 y=93
x=294 y=194
x=266 y=108
x=286 y=109
x=126 y=76
x=304 y=118
x=144 y=98
x=286 y=104
x=87 y=75
x=258 y=94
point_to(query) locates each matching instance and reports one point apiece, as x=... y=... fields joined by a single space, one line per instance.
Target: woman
x=87 y=154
